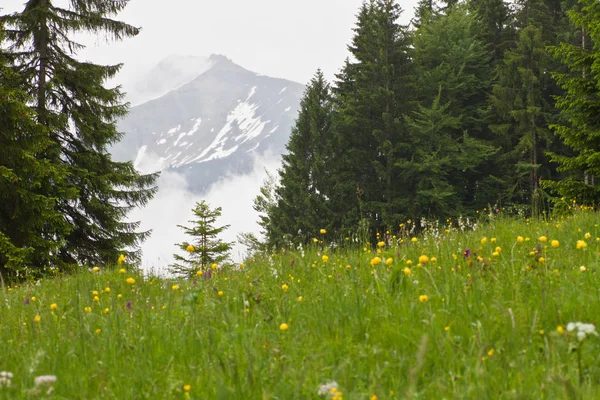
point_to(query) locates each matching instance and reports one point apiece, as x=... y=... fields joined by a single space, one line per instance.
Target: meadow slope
x=475 y=314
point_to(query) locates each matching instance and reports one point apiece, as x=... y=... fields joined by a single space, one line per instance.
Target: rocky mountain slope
x=207 y=126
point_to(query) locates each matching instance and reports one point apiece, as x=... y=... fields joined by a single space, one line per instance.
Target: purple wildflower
x=26 y=301
x=466 y=253
x=129 y=305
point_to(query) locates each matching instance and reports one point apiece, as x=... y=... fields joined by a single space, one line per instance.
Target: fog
x=173 y=206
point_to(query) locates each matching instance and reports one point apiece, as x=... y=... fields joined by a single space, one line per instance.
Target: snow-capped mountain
x=209 y=124
x=170 y=73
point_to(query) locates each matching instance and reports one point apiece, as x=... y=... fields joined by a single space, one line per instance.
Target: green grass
x=488 y=329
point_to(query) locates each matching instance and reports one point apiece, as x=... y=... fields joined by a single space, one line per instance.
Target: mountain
x=207 y=125
x=170 y=73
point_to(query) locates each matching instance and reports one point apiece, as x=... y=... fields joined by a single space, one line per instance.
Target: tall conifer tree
x=372 y=93
x=305 y=179
x=30 y=226
x=79 y=114
x=580 y=108
x=523 y=108
x=447 y=132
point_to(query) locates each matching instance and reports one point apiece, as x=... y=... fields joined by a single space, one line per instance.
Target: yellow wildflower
x=423 y=259
x=581 y=244
x=375 y=260
x=130 y=281
x=423 y=298
x=407 y=271
x=323 y=231
x=187 y=388
x=53 y=306
x=560 y=329
x=107 y=290
x=214 y=266
x=543 y=239
x=37 y=318
x=389 y=261
x=284 y=327
x=190 y=248
x=122 y=258
x=175 y=287
x=433 y=259
x=555 y=243
x=324 y=258
x=483 y=240
x=122 y=271
x=220 y=293
x=381 y=244
x=520 y=239
x=414 y=240
x=587 y=235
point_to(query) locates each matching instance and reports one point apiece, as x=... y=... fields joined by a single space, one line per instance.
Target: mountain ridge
x=217 y=123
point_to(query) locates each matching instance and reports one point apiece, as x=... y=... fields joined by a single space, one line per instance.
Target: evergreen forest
x=472 y=108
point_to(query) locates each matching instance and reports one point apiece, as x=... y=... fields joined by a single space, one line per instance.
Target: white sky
x=280 y=38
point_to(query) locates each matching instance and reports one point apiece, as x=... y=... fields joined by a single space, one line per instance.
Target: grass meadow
x=488 y=312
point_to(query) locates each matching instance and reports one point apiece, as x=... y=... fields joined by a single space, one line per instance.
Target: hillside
x=484 y=310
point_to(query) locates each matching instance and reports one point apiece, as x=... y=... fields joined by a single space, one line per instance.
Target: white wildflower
x=325 y=388
x=44 y=379
x=582 y=329
x=5 y=379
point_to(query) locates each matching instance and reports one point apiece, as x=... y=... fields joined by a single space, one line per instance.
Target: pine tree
x=497 y=25
x=447 y=131
x=524 y=109
x=80 y=114
x=29 y=222
x=302 y=207
x=372 y=93
x=205 y=248
x=580 y=108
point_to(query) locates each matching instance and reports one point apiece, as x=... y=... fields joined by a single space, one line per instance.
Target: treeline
x=63 y=200
x=474 y=104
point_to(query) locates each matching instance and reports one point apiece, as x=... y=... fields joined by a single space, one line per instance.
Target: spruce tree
x=580 y=108
x=205 y=248
x=372 y=93
x=305 y=182
x=524 y=109
x=79 y=114
x=29 y=221
x=447 y=133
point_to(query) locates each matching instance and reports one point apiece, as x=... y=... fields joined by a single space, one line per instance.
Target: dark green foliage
x=449 y=131
x=524 y=109
x=580 y=109
x=302 y=206
x=29 y=221
x=205 y=248
x=79 y=114
x=372 y=93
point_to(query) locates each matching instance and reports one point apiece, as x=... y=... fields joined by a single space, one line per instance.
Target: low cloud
x=173 y=206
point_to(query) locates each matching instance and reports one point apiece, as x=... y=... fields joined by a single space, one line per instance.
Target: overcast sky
x=280 y=38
